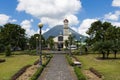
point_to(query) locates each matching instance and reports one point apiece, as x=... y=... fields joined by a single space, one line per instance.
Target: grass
x=13 y=64
x=109 y=68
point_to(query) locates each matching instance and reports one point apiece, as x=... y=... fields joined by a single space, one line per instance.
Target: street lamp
x=70 y=36
x=40 y=25
x=80 y=45
x=36 y=45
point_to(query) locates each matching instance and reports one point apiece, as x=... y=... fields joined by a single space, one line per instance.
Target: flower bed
x=20 y=72
x=95 y=72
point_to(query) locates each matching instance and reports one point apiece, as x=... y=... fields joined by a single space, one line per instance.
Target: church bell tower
x=65 y=30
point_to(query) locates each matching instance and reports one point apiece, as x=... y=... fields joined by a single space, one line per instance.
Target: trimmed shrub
x=8 y=51
x=95 y=72
x=79 y=73
x=37 y=73
x=46 y=62
x=2 y=60
x=69 y=59
x=20 y=72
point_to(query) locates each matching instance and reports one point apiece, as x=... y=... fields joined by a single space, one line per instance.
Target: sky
x=80 y=13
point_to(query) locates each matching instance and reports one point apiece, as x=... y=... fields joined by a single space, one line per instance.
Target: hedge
x=69 y=59
x=37 y=73
x=79 y=73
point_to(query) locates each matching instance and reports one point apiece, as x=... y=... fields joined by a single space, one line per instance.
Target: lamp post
x=40 y=25
x=70 y=35
x=80 y=46
x=36 y=45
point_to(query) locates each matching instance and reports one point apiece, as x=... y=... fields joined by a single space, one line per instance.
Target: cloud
x=111 y=16
x=5 y=19
x=26 y=24
x=116 y=24
x=51 y=12
x=116 y=3
x=86 y=23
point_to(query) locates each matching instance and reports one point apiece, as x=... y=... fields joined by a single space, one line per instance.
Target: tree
x=35 y=40
x=103 y=47
x=50 y=41
x=66 y=43
x=8 y=51
x=14 y=35
x=103 y=36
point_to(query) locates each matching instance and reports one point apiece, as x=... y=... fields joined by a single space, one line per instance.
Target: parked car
x=73 y=47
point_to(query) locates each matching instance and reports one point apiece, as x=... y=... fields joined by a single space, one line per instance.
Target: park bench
x=77 y=63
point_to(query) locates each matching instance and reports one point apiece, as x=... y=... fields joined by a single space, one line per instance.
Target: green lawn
x=13 y=64
x=110 y=69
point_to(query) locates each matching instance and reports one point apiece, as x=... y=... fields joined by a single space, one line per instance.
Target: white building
x=59 y=40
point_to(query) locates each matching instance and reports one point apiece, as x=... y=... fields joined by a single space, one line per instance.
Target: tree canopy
x=104 y=37
x=13 y=35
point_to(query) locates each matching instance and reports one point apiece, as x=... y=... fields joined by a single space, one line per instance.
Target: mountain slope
x=55 y=31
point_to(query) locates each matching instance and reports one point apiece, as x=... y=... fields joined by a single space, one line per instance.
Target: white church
x=60 y=39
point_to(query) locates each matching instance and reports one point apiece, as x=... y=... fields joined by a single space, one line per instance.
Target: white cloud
x=116 y=3
x=72 y=19
x=116 y=24
x=51 y=12
x=85 y=25
x=4 y=19
x=26 y=24
x=13 y=20
x=111 y=16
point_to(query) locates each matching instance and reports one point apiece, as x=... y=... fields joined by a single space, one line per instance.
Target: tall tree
x=104 y=37
x=14 y=35
x=50 y=42
x=34 y=40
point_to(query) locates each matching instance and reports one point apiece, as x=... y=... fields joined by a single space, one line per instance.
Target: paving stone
x=58 y=69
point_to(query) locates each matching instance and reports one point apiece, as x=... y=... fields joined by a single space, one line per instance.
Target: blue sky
x=80 y=13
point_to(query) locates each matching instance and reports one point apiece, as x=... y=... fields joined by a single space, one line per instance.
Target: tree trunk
x=108 y=52
x=103 y=53
x=115 y=52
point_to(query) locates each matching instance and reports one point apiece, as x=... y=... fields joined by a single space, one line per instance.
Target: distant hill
x=56 y=30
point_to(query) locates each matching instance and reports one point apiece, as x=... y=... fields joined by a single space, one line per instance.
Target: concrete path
x=58 y=69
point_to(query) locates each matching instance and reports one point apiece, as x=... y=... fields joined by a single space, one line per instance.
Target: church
x=60 y=39
x=61 y=33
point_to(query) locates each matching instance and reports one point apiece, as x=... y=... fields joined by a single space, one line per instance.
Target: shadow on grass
x=100 y=58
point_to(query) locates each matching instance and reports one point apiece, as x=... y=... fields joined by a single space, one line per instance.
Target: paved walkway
x=58 y=69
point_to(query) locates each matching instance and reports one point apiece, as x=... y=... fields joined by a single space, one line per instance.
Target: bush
x=20 y=72
x=8 y=51
x=2 y=60
x=69 y=59
x=79 y=73
x=37 y=73
x=48 y=60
